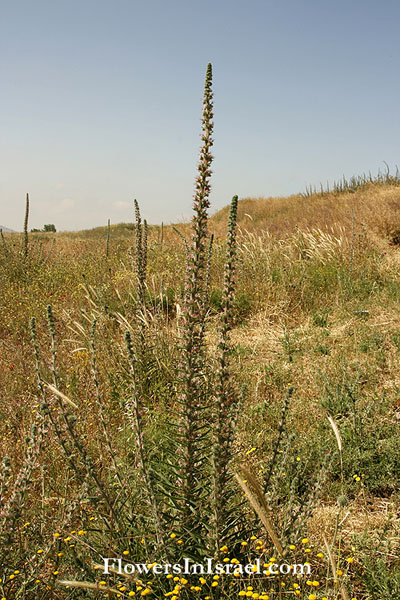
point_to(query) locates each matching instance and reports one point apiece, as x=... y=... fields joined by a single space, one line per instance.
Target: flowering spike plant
x=24 y=263
x=135 y=409
x=181 y=484
x=141 y=253
x=26 y=227
x=193 y=398
x=11 y=510
x=108 y=239
x=225 y=396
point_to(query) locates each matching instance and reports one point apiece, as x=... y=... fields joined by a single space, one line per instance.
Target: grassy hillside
x=316 y=333
x=375 y=206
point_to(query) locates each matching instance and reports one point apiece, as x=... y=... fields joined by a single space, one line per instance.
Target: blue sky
x=101 y=102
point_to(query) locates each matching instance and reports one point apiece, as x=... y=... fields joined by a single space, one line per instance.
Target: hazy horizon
x=102 y=103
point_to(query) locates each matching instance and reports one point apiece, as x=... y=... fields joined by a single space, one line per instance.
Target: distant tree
x=35 y=230
x=49 y=227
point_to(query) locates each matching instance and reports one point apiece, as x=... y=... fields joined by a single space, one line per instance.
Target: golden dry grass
x=376 y=206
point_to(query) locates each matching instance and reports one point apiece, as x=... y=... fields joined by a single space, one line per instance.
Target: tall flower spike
x=135 y=410
x=108 y=238
x=192 y=372
x=141 y=253
x=225 y=397
x=26 y=227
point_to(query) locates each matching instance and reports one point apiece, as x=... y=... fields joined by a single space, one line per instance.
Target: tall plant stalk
x=192 y=376
x=108 y=239
x=26 y=227
x=225 y=396
x=135 y=412
x=140 y=255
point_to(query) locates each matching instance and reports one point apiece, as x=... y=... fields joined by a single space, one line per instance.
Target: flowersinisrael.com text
x=208 y=567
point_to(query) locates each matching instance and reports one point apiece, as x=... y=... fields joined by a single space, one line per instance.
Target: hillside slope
x=376 y=206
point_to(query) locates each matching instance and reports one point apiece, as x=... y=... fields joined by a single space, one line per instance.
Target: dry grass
x=376 y=206
x=321 y=279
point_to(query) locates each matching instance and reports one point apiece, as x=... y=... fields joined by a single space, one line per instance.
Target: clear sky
x=101 y=102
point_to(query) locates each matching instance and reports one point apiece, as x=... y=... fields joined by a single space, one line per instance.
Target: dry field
x=224 y=390
x=316 y=310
